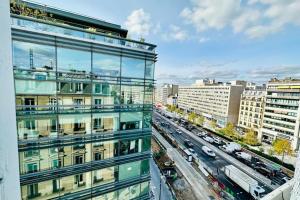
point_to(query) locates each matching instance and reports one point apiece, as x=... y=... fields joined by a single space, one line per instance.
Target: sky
x=251 y=40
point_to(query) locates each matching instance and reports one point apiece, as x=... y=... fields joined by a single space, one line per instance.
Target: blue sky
x=222 y=39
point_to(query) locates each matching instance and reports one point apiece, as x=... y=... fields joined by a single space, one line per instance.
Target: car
x=178 y=131
x=217 y=140
x=284 y=180
x=208 y=139
x=202 y=134
x=192 y=150
x=208 y=151
x=188 y=143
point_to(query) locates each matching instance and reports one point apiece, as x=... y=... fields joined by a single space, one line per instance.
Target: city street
x=219 y=162
x=163 y=192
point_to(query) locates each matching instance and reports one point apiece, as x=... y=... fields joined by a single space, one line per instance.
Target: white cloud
x=203 y=39
x=255 y=18
x=138 y=23
x=175 y=33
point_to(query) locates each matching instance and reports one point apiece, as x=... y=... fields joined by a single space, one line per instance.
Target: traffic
x=216 y=162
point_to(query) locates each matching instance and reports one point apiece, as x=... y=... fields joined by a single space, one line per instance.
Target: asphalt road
x=214 y=163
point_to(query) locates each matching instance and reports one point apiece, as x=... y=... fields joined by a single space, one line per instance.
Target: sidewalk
x=156 y=181
x=199 y=185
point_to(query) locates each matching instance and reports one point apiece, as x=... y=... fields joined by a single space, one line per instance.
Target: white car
x=208 y=139
x=208 y=151
x=201 y=134
x=217 y=140
x=178 y=131
x=192 y=150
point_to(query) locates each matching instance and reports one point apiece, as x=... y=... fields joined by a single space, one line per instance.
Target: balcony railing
x=59 y=28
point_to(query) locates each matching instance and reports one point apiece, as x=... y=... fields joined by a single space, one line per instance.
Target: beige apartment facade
x=216 y=101
x=251 y=110
x=163 y=92
x=282 y=111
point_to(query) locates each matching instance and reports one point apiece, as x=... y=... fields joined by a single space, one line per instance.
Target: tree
x=229 y=130
x=251 y=137
x=192 y=116
x=200 y=120
x=282 y=147
x=178 y=111
x=213 y=124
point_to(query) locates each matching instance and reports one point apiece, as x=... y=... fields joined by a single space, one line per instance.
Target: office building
x=83 y=96
x=215 y=101
x=282 y=112
x=251 y=110
x=163 y=92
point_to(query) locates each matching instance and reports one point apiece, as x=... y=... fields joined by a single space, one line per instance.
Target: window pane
x=129 y=170
x=105 y=94
x=131 y=120
x=105 y=122
x=72 y=60
x=145 y=167
x=147 y=119
x=144 y=188
x=106 y=65
x=132 y=94
x=33 y=56
x=103 y=176
x=132 y=67
x=149 y=71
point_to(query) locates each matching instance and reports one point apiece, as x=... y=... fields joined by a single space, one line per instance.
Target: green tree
x=192 y=116
x=251 y=137
x=282 y=147
x=229 y=130
x=213 y=124
x=200 y=120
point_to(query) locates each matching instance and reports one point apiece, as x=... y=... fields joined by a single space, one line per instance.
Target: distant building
x=172 y=100
x=217 y=101
x=282 y=112
x=162 y=93
x=251 y=109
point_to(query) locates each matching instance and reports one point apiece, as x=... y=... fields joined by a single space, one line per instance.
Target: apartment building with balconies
x=163 y=92
x=282 y=111
x=251 y=109
x=215 y=101
x=84 y=96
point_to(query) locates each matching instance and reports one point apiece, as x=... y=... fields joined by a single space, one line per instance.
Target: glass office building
x=83 y=104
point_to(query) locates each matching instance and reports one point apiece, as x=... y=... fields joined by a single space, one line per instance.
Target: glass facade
x=83 y=119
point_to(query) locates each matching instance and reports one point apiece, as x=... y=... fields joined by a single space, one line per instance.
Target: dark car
x=188 y=143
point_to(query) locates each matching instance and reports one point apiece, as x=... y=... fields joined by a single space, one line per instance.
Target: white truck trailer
x=247 y=183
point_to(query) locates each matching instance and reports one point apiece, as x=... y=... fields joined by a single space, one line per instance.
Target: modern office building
x=83 y=96
x=282 y=111
x=251 y=110
x=217 y=101
x=163 y=92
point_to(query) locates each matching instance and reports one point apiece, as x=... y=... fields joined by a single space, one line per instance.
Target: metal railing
x=67 y=30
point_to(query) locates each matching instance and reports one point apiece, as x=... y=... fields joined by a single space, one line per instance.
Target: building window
x=132 y=67
x=78 y=159
x=33 y=190
x=33 y=56
x=97 y=156
x=71 y=60
x=106 y=65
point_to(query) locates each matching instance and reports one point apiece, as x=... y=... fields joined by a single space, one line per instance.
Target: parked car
x=217 y=140
x=201 y=134
x=188 y=143
x=208 y=151
x=208 y=139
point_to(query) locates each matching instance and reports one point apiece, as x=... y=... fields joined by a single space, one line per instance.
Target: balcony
x=65 y=30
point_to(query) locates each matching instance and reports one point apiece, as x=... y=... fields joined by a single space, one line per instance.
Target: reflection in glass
x=131 y=120
x=132 y=94
x=106 y=65
x=72 y=60
x=133 y=67
x=33 y=56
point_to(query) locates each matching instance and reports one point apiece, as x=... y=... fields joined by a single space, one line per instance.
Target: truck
x=247 y=183
x=231 y=147
x=244 y=156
